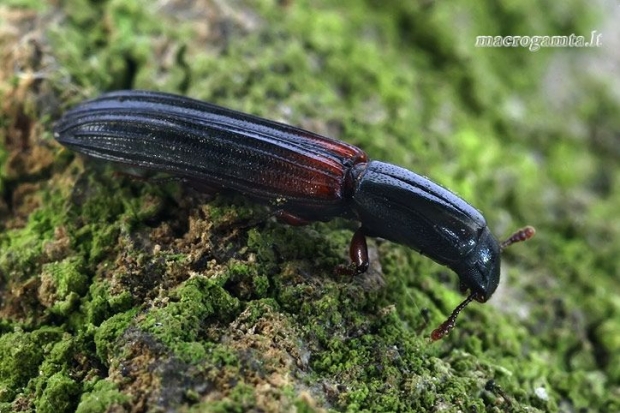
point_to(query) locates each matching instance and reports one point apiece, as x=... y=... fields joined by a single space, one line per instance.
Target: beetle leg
x=290 y=219
x=358 y=251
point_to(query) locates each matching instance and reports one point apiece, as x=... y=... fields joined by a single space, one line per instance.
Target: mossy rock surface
x=123 y=295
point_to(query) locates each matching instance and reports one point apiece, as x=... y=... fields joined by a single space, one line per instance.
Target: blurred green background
x=122 y=295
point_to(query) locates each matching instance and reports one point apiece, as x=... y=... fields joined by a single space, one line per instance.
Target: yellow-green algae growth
x=123 y=295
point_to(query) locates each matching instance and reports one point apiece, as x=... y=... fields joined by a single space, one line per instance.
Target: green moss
x=179 y=323
x=101 y=396
x=19 y=360
x=610 y=344
x=21 y=354
x=65 y=282
x=60 y=394
x=108 y=333
x=26 y=4
x=103 y=303
x=26 y=244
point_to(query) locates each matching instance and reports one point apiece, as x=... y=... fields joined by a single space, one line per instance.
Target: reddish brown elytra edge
x=519 y=236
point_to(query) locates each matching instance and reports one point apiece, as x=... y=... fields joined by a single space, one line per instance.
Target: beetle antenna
x=520 y=235
x=448 y=325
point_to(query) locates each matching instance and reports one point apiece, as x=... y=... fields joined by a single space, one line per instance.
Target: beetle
x=303 y=176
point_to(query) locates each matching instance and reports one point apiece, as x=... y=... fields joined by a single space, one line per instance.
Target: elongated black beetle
x=304 y=176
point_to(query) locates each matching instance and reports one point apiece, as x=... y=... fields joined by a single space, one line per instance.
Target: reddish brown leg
x=290 y=219
x=358 y=251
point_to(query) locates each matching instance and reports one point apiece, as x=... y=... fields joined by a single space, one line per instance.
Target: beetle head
x=479 y=272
